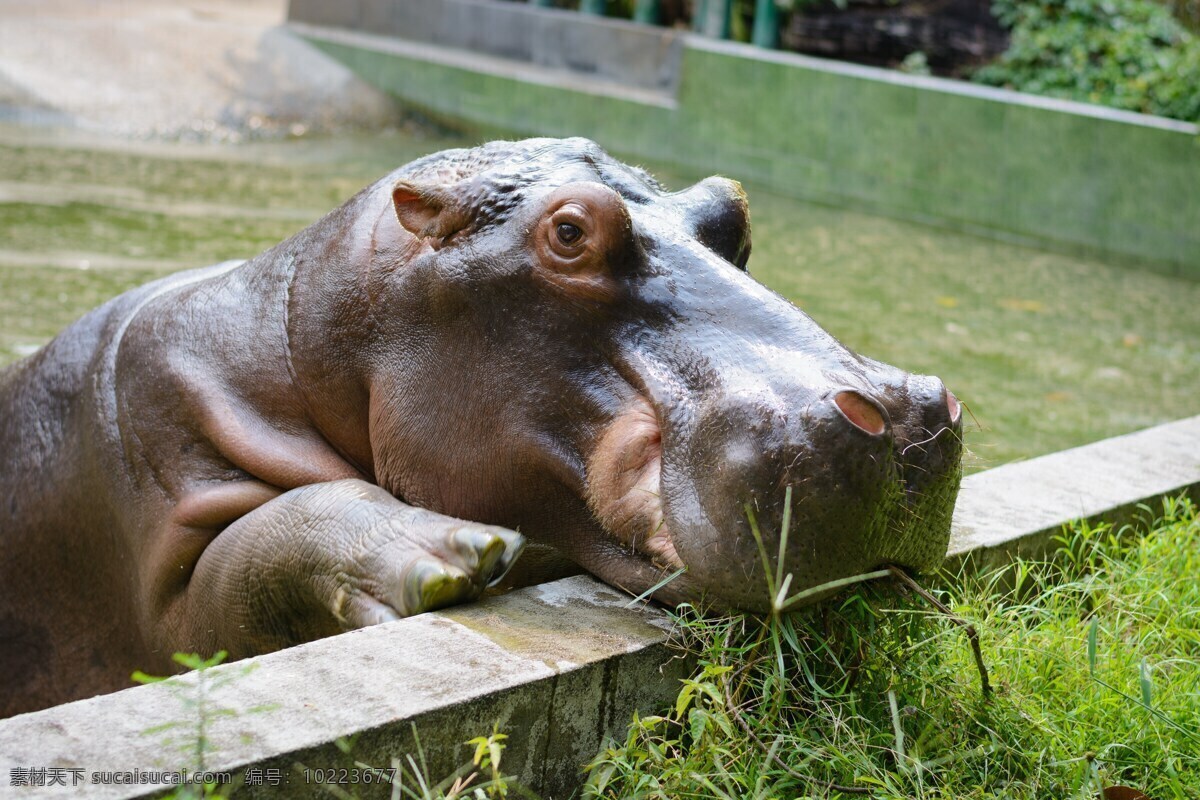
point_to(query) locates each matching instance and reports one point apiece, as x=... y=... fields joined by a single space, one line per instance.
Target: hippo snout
x=872 y=473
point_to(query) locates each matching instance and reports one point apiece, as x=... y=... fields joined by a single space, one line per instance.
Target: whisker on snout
x=911 y=445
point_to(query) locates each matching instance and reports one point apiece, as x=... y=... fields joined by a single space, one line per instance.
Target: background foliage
x=1128 y=54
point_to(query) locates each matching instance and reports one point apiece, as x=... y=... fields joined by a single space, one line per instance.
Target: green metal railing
x=711 y=18
x=766 y=24
x=646 y=11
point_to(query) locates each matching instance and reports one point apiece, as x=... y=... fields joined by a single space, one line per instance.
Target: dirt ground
x=174 y=69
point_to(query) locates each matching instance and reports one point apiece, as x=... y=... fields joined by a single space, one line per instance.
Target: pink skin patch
x=861 y=412
x=624 y=477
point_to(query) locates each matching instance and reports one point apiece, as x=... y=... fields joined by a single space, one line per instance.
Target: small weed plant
x=408 y=778
x=189 y=736
x=1093 y=655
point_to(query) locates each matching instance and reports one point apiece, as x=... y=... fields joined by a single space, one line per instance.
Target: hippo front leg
x=331 y=557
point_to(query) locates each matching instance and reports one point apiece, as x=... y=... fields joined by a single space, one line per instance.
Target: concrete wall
x=637 y=55
x=1062 y=175
x=1018 y=510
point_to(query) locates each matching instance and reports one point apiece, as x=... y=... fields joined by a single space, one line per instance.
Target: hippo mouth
x=625 y=485
x=889 y=506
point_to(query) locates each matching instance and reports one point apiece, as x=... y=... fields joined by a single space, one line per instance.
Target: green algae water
x=1047 y=351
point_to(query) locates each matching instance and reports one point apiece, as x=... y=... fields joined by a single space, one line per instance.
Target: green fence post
x=699 y=12
x=766 y=24
x=592 y=7
x=646 y=11
x=716 y=18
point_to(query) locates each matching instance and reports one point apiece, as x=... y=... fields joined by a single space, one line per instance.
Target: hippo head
x=563 y=347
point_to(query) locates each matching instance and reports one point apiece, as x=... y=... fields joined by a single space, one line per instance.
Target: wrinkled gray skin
x=350 y=427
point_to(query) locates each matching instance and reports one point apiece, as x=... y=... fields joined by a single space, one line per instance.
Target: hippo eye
x=571 y=233
x=567 y=233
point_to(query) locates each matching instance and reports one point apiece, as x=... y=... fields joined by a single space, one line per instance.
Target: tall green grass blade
x=897 y=729
x=656 y=587
x=784 y=527
x=840 y=583
x=1091 y=645
x=752 y=518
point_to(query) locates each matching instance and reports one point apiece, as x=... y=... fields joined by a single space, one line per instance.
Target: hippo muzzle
x=872 y=473
x=746 y=401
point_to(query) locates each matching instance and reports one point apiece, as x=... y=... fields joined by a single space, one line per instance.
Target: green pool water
x=1047 y=351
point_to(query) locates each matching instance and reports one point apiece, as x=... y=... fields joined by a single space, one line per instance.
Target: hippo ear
x=429 y=212
x=720 y=216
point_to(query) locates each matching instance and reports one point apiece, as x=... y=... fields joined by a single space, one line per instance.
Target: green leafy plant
x=488 y=751
x=1128 y=54
x=915 y=63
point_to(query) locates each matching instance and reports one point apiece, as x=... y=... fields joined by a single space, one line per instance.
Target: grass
x=1048 y=351
x=1094 y=656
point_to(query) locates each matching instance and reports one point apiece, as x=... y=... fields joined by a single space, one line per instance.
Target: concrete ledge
x=560 y=667
x=932 y=83
x=1017 y=509
x=484 y=63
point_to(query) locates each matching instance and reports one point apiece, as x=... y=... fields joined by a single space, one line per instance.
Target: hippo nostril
x=953 y=406
x=861 y=412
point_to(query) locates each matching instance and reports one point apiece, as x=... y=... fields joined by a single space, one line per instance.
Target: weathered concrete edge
x=645 y=56
x=1018 y=509
x=560 y=666
x=945 y=85
x=487 y=64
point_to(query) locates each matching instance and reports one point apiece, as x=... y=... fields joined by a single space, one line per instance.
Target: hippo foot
x=331 y=557
x=457 y=566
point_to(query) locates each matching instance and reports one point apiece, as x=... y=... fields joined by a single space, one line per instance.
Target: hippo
x=521 y=341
